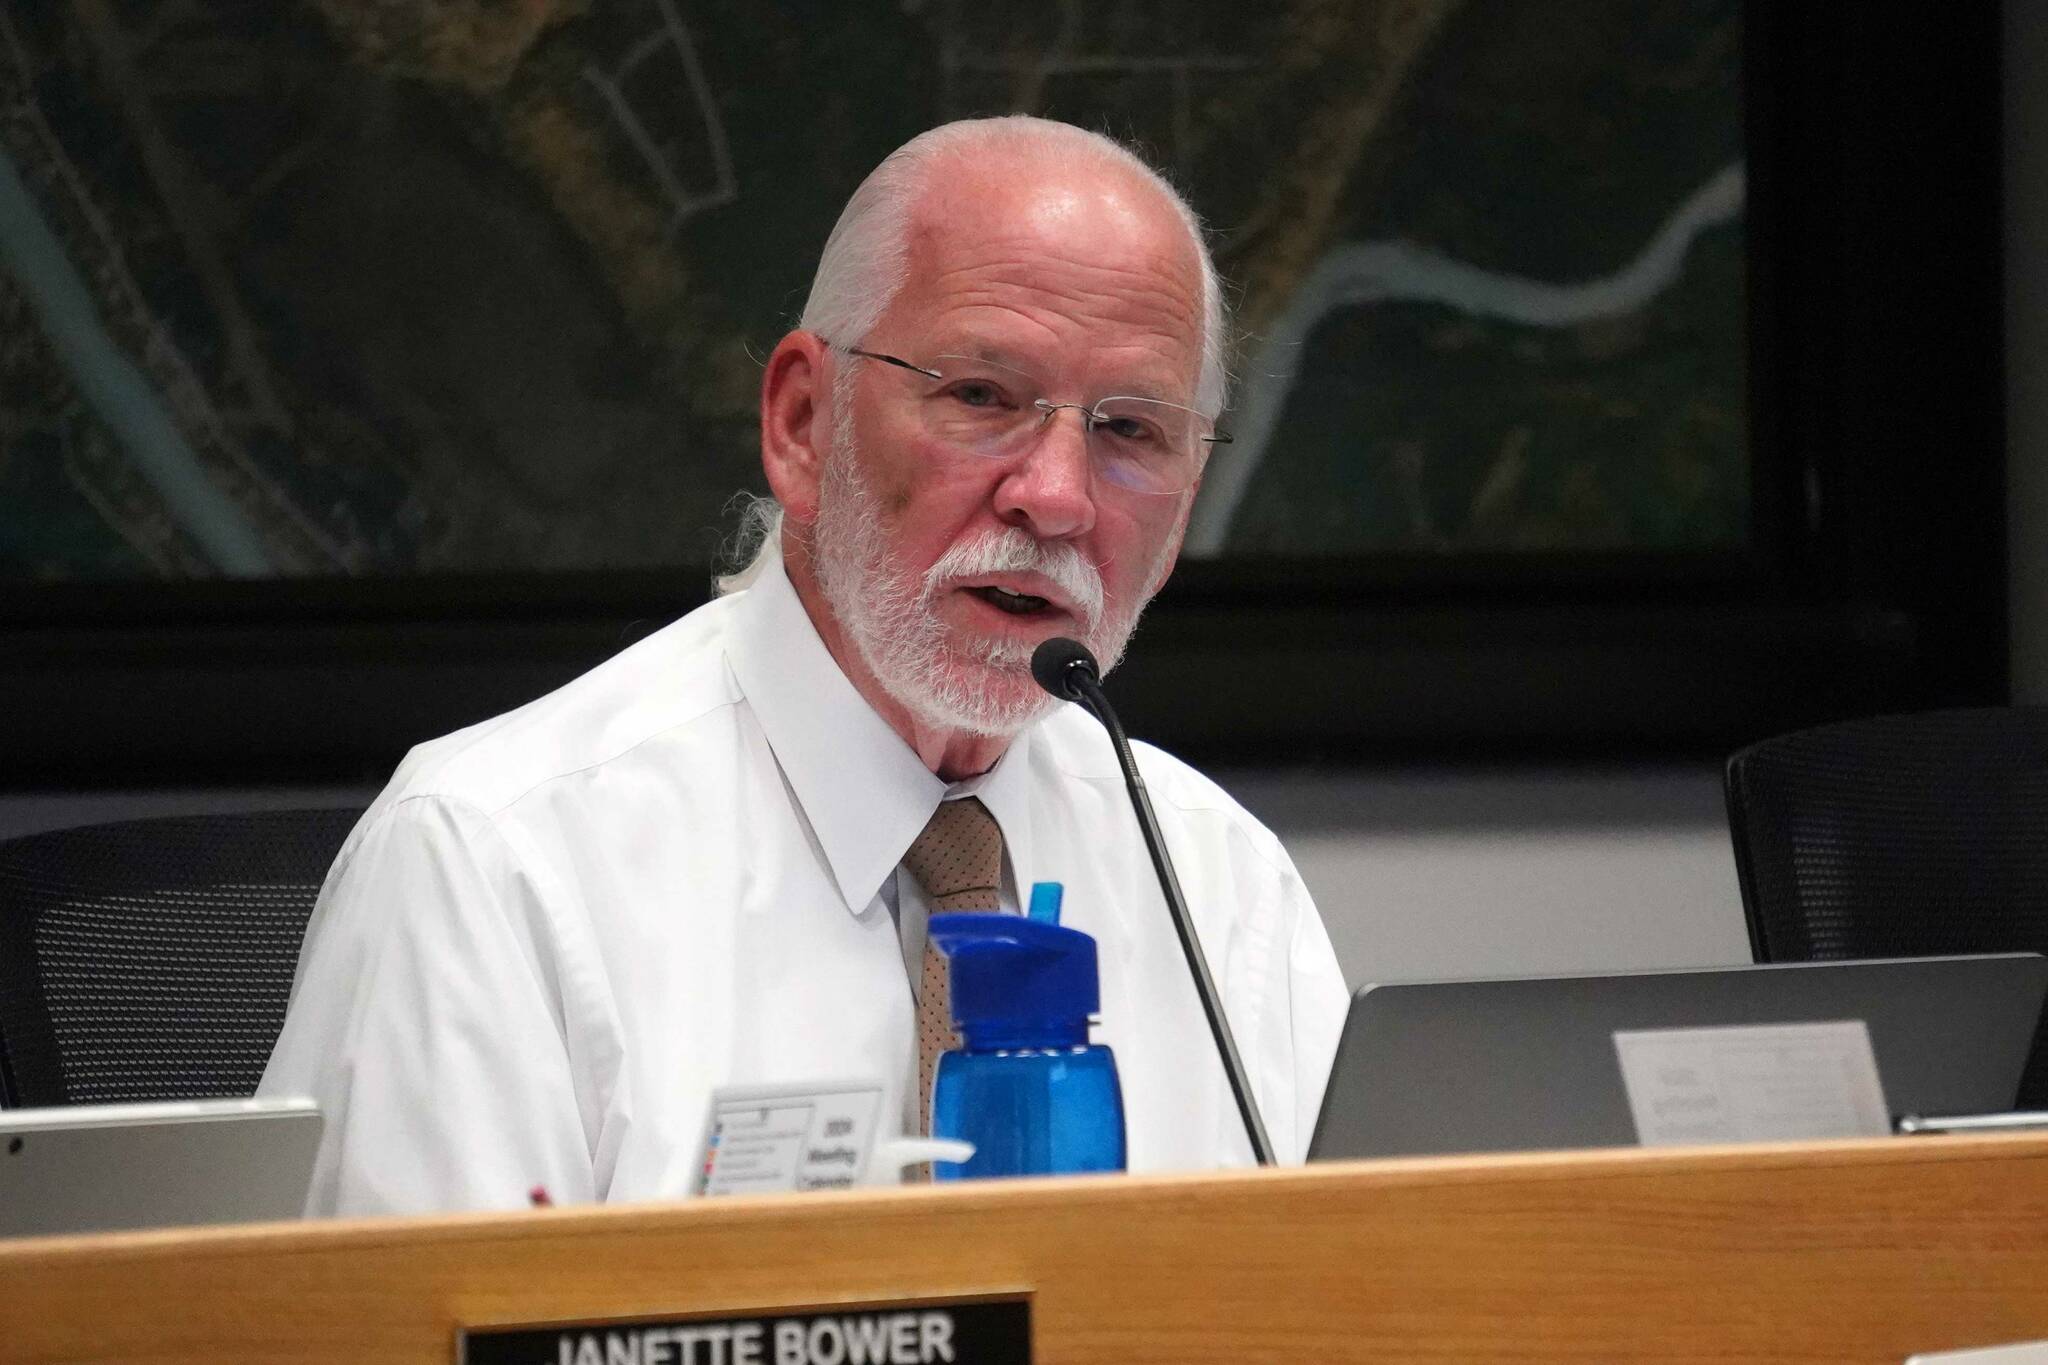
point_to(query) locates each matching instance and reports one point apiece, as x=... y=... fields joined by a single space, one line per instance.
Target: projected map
x=452 y=286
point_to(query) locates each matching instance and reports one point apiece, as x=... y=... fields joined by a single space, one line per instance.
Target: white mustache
x=1018 y=551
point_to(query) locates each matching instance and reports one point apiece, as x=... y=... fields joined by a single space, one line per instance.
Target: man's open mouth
x=1015 y=603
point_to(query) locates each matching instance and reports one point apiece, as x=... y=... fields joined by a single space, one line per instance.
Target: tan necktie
x=958 y=860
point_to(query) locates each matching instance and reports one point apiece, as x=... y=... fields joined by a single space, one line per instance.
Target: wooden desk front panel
x=1854 y=1251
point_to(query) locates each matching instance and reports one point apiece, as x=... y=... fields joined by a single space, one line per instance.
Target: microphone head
x=1055 y=663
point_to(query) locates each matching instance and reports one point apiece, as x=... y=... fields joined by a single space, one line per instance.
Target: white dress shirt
x=557 y=931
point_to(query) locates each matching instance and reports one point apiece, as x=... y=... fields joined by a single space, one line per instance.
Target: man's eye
x=976 y=393
x=1131 y=429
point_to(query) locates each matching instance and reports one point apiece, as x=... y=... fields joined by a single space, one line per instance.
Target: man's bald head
x=867 y=257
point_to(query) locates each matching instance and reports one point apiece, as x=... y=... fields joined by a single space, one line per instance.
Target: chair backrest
x=152 y=959
x=1898 y=836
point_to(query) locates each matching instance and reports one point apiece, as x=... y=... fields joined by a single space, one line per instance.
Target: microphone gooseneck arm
x=1078 y=681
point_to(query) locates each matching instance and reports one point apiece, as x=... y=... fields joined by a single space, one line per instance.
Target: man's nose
x=1050 y=491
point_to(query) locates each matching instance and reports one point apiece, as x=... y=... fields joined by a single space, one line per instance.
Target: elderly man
x=710 y=860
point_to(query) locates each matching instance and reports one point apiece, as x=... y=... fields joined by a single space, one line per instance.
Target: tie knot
x=958 y=859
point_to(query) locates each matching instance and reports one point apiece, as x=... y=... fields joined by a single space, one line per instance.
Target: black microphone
x=1066 y=669
x=1055 y=663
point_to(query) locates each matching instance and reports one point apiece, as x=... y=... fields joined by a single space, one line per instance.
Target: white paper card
x=762 y=1139
x=1752 y=1083
x=2020 y=1353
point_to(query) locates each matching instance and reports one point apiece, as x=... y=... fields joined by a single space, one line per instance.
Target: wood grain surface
x=1863 y=1251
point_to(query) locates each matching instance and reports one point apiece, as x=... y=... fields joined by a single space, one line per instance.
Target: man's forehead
x=1001 y=277
x=1103 y=210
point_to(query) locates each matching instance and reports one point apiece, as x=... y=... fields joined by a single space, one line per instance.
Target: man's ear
x=796 y=415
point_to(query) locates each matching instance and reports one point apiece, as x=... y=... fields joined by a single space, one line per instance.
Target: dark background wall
x=1439 y=865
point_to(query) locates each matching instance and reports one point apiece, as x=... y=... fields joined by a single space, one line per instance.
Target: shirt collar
x=863 y=790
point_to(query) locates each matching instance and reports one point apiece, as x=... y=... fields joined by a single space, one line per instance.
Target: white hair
x=867 y=258
x=753 y=546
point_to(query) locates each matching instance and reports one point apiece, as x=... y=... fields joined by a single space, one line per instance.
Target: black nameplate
x=933 y=1332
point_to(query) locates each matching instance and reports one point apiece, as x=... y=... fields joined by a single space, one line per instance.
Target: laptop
x=100 y=1168
x=1526 y=1063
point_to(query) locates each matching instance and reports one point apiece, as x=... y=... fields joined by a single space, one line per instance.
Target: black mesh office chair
x=1898 y=836
x=151 y=959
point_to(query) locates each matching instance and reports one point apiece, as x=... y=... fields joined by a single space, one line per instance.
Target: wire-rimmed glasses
x=1138 y=444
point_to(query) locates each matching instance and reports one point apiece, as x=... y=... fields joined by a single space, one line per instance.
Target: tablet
x=1517 y=1063
x=102 y=1167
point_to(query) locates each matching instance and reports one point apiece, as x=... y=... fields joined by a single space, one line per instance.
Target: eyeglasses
x=1139 y=445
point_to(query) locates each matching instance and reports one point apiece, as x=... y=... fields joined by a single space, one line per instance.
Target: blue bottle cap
x=1018 y=982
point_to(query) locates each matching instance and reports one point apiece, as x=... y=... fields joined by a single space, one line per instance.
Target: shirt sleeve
x=426 y=1023
x=1317 y=1001
x=1289 y=1038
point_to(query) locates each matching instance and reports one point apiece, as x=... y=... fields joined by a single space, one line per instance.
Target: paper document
x=1752 y=1083
x=761 y=1139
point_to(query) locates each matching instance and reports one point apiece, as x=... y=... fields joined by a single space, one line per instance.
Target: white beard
x=980 y=685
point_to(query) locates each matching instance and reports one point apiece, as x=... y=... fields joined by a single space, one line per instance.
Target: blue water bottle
x=1025 y=1087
